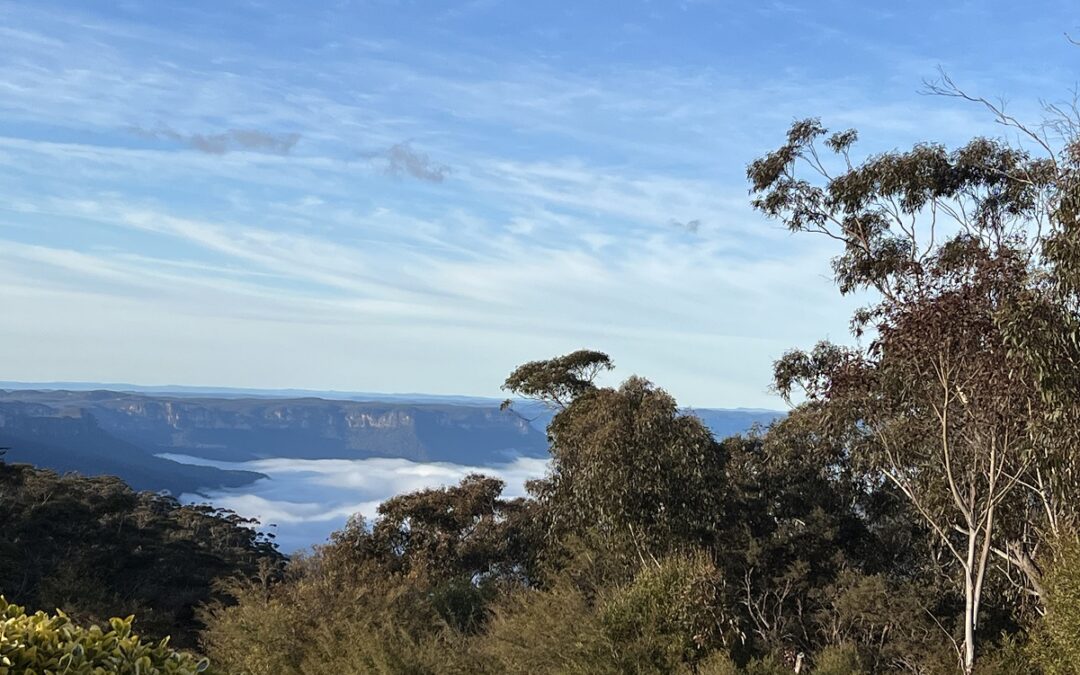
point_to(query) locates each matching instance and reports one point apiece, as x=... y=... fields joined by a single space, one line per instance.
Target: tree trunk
x=969 y=629
x=970 y=606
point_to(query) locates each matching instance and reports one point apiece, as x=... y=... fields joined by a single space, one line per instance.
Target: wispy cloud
x=401 y=159
x=691 y=226
x=221 y=143
x=576 y=184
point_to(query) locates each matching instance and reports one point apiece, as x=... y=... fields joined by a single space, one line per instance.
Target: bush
x=1013 y=654
x=769 y=665
x=1057 y=642
x=838 y=660
x=535 y=632
x=40 y=643
x=669 y=615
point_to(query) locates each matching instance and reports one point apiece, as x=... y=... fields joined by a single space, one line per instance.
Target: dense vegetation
x=915 y=513
x=97 y=549
x=40 y=643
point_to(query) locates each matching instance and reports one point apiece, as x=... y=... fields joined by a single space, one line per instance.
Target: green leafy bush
x=1057 y=642
x=42 y=643
x=839 y=660
x=669 y=615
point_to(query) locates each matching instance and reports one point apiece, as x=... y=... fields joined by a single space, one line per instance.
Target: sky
x=400 y=196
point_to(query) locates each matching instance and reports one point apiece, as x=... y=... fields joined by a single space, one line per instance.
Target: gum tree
x=958 y=397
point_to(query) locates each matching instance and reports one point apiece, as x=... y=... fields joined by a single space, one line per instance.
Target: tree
x=945 y=402
x=626 y=462
x=466 y=531
x=558 y=381
x=96 y=548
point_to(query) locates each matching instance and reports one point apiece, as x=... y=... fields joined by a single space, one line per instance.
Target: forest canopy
x=916 y=512
x=98 y=549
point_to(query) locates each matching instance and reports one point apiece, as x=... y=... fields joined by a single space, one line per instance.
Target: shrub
x=42 y=643
x=838 y=660
x=669 y=615
x=535 y=632
x=1057 y=641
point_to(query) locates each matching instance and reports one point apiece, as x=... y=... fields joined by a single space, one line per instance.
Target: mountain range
x=104 y=431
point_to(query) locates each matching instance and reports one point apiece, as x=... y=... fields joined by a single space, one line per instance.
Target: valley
x=298 y=463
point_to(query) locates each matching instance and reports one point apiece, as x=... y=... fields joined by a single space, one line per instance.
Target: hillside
x=73 y=441
x=102 y=432
x=238 y=429
x=96 y=549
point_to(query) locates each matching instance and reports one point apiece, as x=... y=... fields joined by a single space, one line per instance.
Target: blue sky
x=417 y=196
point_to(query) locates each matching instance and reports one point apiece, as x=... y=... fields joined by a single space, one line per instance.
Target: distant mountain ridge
x=240 y=429
x=723 y=421
x=122 y=432
x=188 y=391
x=70 y=441
x=244 y=392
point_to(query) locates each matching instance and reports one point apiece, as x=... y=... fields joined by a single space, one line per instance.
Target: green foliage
x=630 y=465
x=42 y=643
x=560 y=380
x=669 y=616
x=1057 y=637
x=839 y=660
x=889 y=622
x=362 y=625
x=460 y=532
x=666 y=620
x=965 y=400
x=767 y=665
x=401 y=595
x=96 y=548
x=650 y=548
x=1013 y=654
x=787 y=562
x=546 y=633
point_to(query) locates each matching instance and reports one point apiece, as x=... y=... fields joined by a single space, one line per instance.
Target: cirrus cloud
x=251 y=140
x=401 y=159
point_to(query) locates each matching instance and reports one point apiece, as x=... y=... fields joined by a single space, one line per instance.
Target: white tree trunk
x=971 y=604
x=969 y=626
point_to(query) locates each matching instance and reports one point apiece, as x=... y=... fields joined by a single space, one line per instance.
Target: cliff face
x=91 y=431
x=242 y=429
x=71 y=440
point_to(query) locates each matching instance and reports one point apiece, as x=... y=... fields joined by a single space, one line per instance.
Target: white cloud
x=306 y=500
x=312 y=268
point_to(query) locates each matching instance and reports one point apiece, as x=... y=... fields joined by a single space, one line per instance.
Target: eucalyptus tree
x=958 y=396
x=627 y=464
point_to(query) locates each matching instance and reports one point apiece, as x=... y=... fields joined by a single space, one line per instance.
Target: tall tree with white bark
x=959 y=398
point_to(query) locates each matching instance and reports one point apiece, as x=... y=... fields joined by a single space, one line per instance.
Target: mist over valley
x=301 y=466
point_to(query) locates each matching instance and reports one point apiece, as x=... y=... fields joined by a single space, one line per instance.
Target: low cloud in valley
x=307 y=500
